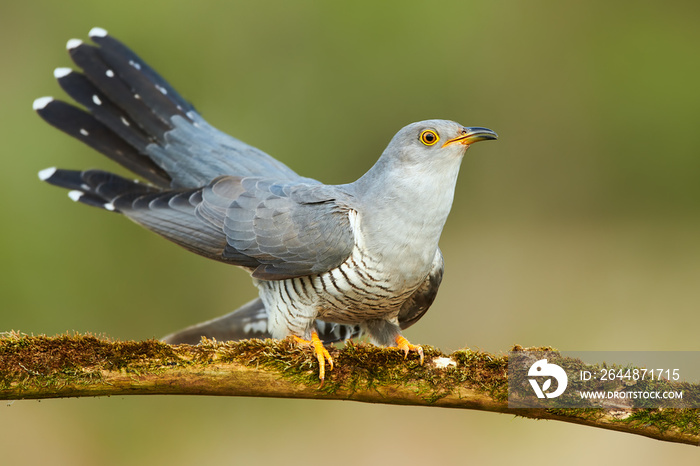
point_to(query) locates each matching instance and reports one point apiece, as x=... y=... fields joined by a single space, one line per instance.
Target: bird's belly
x=358 y=290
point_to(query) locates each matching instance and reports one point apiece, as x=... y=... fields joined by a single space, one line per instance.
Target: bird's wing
x=418 y=303
x=137 y=119
x=275 y=229
x=291 y=230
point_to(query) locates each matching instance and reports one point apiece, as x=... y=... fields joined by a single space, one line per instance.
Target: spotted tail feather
x=134 y=117
x=95 y=187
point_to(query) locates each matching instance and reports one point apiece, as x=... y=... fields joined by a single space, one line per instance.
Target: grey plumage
x=333 y=260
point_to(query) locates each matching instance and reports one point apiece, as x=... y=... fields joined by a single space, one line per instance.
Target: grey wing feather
x=172 y=215
x=275 y=229
x=292 y=230
x=418 y=303
x=193 y=153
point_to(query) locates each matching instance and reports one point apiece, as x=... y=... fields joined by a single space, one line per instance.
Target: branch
x=82 y=365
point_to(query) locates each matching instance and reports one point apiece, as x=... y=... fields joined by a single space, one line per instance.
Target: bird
x=331 y=262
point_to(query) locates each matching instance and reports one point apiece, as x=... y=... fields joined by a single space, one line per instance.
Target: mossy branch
x=35 y=367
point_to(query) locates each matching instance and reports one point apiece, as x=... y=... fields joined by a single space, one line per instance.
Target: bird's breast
x=364 y=287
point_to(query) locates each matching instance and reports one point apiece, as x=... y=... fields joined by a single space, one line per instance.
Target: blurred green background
x=579 y=228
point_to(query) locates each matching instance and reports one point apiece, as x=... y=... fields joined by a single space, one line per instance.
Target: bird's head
x=434 y=141
x=423 y=157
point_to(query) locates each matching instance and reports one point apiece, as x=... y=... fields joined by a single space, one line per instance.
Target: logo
x=543 y=369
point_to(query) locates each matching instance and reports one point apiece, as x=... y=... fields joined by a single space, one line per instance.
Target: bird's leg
x=404 y=345
x=321 y=353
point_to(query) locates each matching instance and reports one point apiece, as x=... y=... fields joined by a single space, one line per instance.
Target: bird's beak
x=472 y=135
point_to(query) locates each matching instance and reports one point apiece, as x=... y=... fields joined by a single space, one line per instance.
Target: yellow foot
x=321 y=353
x=404 y=345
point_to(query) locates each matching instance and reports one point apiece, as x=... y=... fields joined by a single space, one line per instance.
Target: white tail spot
x=109 y=206
x=97 y=32
x=46 y=173
x=84 y=132
x=73 y=43
x=75 y=195
x=162 y=90
x=134 y=64
x=109 y=73
x=58 y=73
x=41 y=102
x=96 y=100
x=125 y=121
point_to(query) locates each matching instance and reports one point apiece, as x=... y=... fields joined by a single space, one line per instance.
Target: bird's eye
x=429 y=137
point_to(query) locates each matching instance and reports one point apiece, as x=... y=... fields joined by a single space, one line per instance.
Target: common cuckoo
x=330 y=262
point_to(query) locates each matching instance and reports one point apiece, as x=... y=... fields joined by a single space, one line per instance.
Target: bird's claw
x=405 y=346
x=321 y=353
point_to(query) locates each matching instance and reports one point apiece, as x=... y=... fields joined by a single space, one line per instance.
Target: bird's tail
x=134 y=117
x=129 y=105
x=96 y=188
x=250 y=321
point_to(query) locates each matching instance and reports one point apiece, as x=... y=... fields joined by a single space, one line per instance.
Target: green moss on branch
x=33 y=367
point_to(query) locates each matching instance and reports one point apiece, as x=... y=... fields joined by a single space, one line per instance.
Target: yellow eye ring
x=429 y=137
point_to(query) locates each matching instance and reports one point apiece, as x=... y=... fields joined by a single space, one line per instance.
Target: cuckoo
x=330 y=262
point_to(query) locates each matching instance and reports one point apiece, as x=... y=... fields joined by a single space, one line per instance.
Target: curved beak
x=472 y=135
